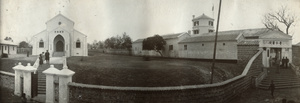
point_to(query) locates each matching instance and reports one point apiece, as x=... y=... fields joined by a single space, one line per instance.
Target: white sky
x=100 y=19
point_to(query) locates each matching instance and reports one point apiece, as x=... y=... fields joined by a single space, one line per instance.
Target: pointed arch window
x=41 y=43
x=78 y=43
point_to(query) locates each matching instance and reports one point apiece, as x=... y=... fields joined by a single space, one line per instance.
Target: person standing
x=270 y=61
x=41 y=59
x=47 y=54
x=287 y=62
x=283 y=62
x=272 y=87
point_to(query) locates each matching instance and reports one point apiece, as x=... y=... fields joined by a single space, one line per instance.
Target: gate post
x=65 y=77
x=18 y=75
x=50 y=73
x=27 y=79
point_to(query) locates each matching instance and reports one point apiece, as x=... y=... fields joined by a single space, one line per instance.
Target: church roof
x=61 y=16
x=203 y=16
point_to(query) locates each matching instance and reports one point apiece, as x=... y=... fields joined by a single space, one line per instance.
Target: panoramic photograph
x=150 y=51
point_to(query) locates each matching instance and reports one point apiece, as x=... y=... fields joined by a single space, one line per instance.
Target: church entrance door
x=59 y=46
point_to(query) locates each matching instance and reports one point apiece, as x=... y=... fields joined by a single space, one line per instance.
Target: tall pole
x=215 y=46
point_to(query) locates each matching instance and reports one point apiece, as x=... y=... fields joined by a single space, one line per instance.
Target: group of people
x=284 y=62
x=43 y=57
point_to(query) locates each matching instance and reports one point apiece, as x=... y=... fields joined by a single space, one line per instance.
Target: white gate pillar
x=50 y=73
x=65 y=77
x=18 y=75
x=27 y=79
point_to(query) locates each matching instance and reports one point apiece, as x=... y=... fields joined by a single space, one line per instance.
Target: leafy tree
x=24 y=44
x=155 y=43
x=118 y=42
x=282 y=16
x=126 y=41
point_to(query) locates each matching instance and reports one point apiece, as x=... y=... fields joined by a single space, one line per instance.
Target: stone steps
x=285 y=78
x=42 y=78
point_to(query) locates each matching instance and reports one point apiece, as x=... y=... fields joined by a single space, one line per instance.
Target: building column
x=50 y=87
x=65 y=77
x=18 y=75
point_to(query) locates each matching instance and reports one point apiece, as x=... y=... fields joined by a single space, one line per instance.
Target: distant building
x=60 y=38
x=200 y=44
x=7 y=46
x=170 y=49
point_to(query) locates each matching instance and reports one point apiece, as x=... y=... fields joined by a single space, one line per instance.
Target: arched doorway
x=59 y=46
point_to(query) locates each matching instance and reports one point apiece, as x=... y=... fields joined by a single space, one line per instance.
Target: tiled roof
x=222 y=36
x=138 y=41
x=203 y=16
x=171 y=36
x=249 y=42
x=6 y=42
x=166 y=36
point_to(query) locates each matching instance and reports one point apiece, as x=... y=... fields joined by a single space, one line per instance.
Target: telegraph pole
x=215 y=46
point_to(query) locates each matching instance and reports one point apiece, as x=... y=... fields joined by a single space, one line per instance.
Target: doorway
x=276 y=55
x=59 y=47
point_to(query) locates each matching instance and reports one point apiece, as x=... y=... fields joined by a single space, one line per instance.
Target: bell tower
x=202 y=24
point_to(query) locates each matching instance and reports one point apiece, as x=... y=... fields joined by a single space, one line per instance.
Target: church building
x=60 y=39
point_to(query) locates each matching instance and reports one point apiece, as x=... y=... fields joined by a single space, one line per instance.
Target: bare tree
x=281 y=16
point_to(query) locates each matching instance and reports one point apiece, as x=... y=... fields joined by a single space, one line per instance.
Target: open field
x=121 y=70
x=6 y=64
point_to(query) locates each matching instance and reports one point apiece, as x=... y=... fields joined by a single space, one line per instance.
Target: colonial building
x=200 y=44
x=170 y=49
x=8 y=47
x=60 y=39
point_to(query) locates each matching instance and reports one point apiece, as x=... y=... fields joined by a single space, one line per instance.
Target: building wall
x=5 y=48
x=82 y=51
x=36 y=50
x=65 y=23
x=296 y=55
x=203 y=26
x=196 y=50
x=137 y=48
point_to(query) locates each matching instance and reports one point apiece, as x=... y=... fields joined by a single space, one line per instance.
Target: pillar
x=50 y=74
x=27 y=79
x=65 y=77
x=18 y=75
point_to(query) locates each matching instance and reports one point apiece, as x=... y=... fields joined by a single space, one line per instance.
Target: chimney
x=193 y=16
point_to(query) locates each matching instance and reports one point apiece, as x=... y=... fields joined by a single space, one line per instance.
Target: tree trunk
x=159 y=53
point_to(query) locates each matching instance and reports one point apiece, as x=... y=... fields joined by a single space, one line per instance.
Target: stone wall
x=7 y=80
x=296 y=54
x=221 y=92
x=245 y=52
x=118 y=51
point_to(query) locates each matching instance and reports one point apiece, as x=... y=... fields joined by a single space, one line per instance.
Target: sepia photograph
x=149 y=51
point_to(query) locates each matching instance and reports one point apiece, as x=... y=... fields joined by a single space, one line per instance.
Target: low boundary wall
x=206 y=93
x=7 y=80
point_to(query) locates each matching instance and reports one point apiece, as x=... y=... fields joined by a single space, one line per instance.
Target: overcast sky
x=100 y=19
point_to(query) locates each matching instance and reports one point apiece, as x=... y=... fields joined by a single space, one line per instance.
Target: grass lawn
x=121 y=70
x=6 y=64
